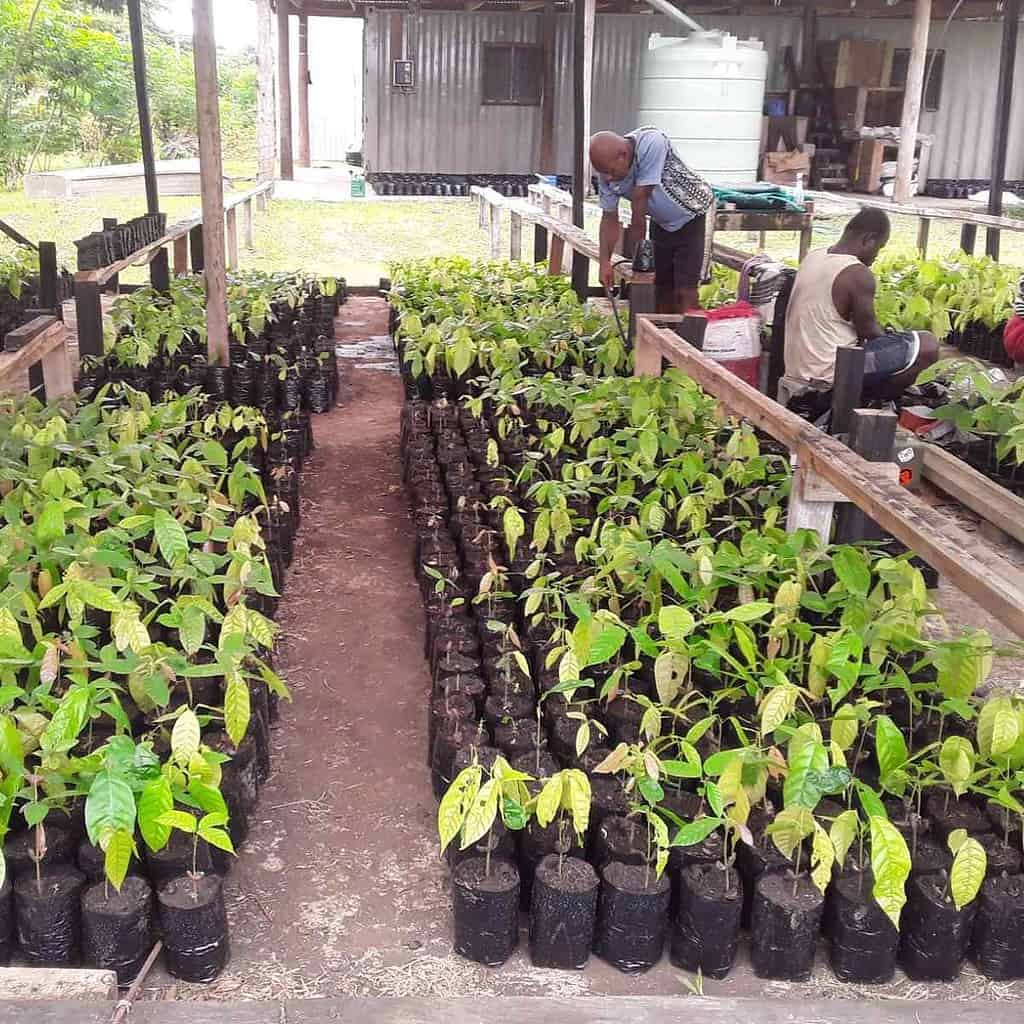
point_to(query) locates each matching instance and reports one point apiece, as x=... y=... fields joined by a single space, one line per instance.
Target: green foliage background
x=67 y=94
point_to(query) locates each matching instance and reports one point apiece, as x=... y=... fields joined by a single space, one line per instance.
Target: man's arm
x=608 y=236
x=854 y=296
x=637 y=229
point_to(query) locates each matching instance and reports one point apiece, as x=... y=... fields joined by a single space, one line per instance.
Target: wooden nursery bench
x=40 y=347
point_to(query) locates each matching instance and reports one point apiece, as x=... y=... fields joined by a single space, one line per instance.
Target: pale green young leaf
x=550 y=799
x=890 y=865
x=170 y=537
x=451 y=812
x=118 y=849
x=154 y=802
x=237 y=708
x=968 y=872
x=481 y=813
x=185 y=736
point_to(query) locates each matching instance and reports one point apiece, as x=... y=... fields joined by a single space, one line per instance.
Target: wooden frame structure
x=39 y=347
x=184 y=238
x=826 y=470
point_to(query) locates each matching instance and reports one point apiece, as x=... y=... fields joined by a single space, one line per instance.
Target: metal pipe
x=671 y=11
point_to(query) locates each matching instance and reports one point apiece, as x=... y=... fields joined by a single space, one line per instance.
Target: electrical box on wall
x=403 y=74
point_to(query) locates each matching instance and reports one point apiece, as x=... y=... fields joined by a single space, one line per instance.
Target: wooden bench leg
x=494 y=215
x=57 y=377
x=232 y=237
x=181 y=256
x=556 y=256
x=247 y=225
x=806 y=514
x=515 y=236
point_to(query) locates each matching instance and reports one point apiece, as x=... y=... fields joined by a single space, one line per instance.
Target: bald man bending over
x=644 y=168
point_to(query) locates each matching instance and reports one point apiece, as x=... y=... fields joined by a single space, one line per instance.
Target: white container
x=706 y=92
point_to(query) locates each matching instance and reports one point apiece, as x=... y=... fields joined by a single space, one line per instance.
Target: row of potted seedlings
x=145 y=548
x=656 y=718
x=282 y=357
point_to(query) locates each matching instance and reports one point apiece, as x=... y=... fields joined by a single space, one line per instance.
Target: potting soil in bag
x=706 y=929
x=48 y=914
x=194 y=924
x=619 y=838
x=864 y=941
x=117 y=926
x=754 y=861
x=997 y=942
x=6 y=920
x=563 y=908
x=785 y=925
x=91 y=860
x=934 y=934
x=632 y=916
x=486 y=910
x=19 y=850
x=535 y=843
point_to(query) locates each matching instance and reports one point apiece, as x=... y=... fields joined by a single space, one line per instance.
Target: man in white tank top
x=832 y=306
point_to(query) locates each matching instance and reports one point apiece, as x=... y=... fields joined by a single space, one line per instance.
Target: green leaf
x=675 y=623
x=845 y=727
x=670 y=672
x=968 y=872
x=776 y=706
x=790 y=828
x=118 y=852
x=50 y=526
x=451 y=812
x=956 y=761
x=67 y=723
x=890 y=864
x=185 y=736
x=890 y=746
x=236 y=708
x=696 y=831
x=181 y=820
x=109 y=807
x=549 y=800
x=130 y=632
x=842 y=833
x=481 y=814
x=648 y=443
x=209 y=798
x=749 y=612
x=154 y=802
x=514 y=527
x=95 y=596
x=806 y=764
x=606 y=644
x=192 y=628
x=822 y=859
x=998 y=727
x=852 y=570
x=576 y=796
x=170 y=537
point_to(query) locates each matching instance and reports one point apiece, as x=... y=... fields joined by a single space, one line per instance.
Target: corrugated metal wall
x=442 y=126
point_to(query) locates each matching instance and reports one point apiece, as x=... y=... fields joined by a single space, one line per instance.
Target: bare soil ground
x=339 y=890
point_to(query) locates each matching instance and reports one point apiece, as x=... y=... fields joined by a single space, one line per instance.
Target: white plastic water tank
x=706 y=92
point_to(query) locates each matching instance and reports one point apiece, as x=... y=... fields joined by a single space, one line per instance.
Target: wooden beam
x=924 y=230
x=809 y=45
x=181 y=255
x=211 y=179
x=971 y=566
x=231 y=235
x=304 y=82
x=142 y=102
x=546 y=162
x=284 y=92
x=247 y=225
x=1004 y=103
x=582 y=67
x=912 y=99
x=266 y=97
x=992 y=502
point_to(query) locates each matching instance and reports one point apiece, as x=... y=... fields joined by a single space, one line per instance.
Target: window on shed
x=513 y=74
x=934 y=65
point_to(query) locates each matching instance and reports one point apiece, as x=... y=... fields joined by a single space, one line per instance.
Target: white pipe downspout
x=671 y=11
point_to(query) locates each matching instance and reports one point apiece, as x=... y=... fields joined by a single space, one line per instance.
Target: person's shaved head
x=611 y=154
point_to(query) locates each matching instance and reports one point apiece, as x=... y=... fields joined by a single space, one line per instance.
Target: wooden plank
x=54 y=983
x=924 y=229
x=17 y=339
x=515 y=232
x=181 y=255
x=872 y=435
x=284 y=94
x=13 y=365
x=303 y=83
x=210 y=169
x=247 y=225
x=805 y=511
x=89 y=318
x=494 y=217
x=967 y=563
x=999 y=506
x=49 y=275
x=556 y=256
x=231 y=228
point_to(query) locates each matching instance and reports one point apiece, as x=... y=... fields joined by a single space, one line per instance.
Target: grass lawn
x=357 y=239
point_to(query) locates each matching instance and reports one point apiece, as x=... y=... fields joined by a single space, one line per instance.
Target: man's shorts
x=889 y=354
x=679 y=255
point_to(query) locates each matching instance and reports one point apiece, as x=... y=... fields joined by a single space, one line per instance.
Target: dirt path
x=339 y=890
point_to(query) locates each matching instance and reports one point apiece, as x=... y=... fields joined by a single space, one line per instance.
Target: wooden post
x=195 y=239
x=1004 y=102
x=872 y=435
x=49 y=276
x=809 y=46
x=211 y=178
x=89 y=317
x=912 y=99
x=114 y=282
x=304 y=81
x=181 y=255
x=231 y=218
x=923 y=231
x=848 y=387
x=142 y=102
x=556 y=256
x=568 y=253
x=807 y=232
x=646 y=356
x=540 y=243
x=548 y=98
x=495 y=229
x=266 y=99
x=55 y=369
x=641 y=300
x=247 y=224
x=284 y=91
x=481 y=211
x=969 y=238
x=804 y=512
x=515 y=233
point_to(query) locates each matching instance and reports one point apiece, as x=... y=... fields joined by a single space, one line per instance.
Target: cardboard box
x=859 y=62
x=783 y=168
